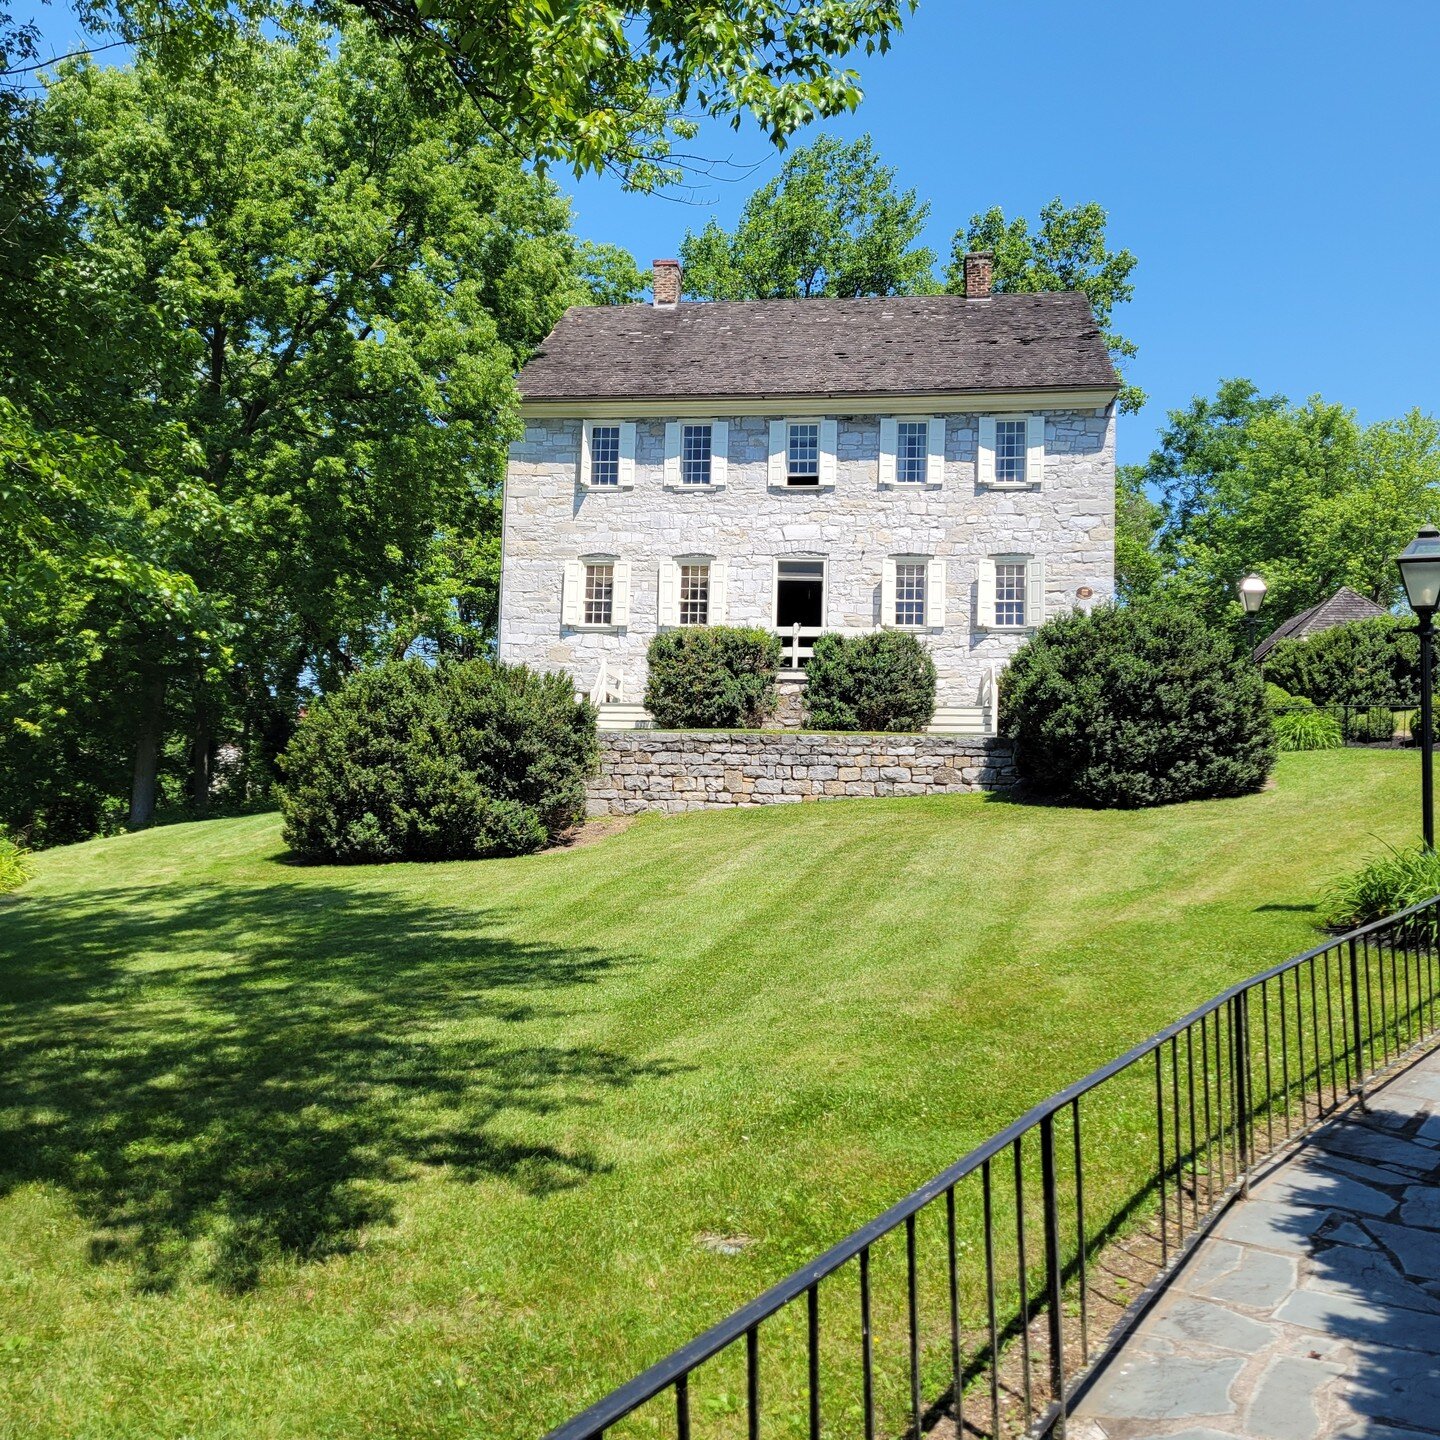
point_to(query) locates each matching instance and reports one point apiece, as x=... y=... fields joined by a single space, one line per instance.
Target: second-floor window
x=1010 y=452
x=910 y=593
x=695 y=593
x=604 y=455
x=599 y=603
x=912 y=443
x=803 y=453
x=696 y=450
x=1010 y=593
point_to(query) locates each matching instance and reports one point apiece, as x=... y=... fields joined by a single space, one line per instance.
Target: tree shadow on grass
x=222 y=1077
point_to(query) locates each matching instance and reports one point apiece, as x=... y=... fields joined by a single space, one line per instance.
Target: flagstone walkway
x=1313 y=1310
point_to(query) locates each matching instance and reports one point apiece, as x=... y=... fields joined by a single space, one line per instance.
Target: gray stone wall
x=700 y=769
x=550 y=518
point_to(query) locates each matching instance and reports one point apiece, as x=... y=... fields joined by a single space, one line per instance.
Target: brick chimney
x=666 y=282
x=979 y=273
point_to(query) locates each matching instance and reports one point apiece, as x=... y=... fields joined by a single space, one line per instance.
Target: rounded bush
x=1374 y=725
x=1308 y=729
x=884 y=680
x=1135 y=705
x=410 y=762
x=713 y=677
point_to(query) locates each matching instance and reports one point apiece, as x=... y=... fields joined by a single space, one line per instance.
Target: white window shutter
x=1035 y=449
x=985 y=594
x=620 y=595
x=935 y=463
x=669 y=610
x=717 y=592
x=585 y=452
x=572 y=593
x=985 y=453
x=719 y=450
x=889 y=442
x=1035 y=591
x=779 y=450
x=935 y=594
x=887 y=591
x=829 y=443
x=627 y=454
x=672 y=452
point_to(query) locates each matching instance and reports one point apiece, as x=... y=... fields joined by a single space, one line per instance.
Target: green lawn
x=433 y=1150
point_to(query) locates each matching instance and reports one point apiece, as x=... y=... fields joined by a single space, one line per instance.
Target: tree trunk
x=151 y=731
x=202 y=755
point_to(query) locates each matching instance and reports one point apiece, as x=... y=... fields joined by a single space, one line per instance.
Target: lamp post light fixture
x=1252 y=593
x=1419 y=566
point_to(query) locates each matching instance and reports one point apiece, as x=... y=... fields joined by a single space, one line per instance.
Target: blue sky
x=1272 y=164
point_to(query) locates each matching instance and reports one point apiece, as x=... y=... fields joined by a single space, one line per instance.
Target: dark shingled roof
x=753 y=349
x=1341 y=608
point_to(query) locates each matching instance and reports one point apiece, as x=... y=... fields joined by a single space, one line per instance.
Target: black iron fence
x=980 y=1303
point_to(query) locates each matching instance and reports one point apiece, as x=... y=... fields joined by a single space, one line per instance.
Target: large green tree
x=1304 y=494
x=831 y=223
x=588 y=83
x=1067 y=250
x=304 y=296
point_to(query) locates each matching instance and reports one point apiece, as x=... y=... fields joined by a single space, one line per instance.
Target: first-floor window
x=1010 y=592
x=1010 y=452
x=599 y=592
x=910 y=592
x=604 y=455
x=912 y=446
x=695 y=593
x=696 y=443
x=803 y=454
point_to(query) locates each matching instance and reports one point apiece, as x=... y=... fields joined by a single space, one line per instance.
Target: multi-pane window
x=695 y=594
x=1010 y=592
x=599 y=593
x=912 y=445
x=605 y=455
x=695 y=451
x=803 y=455
x=1010 y=447
x=910 y=592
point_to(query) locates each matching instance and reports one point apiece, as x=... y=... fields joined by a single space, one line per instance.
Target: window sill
x=681 y=488
x=1009 y=485
x=911 y=484
x=802 y=489
x=604 y=489
x=611 y=629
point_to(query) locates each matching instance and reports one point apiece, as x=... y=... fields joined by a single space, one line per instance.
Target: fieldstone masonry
x=700 y=769
x=1067 y=522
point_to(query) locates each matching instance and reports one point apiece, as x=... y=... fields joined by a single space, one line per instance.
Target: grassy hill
x=442 y=1150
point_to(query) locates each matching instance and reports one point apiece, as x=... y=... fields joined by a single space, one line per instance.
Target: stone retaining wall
x=698 y=769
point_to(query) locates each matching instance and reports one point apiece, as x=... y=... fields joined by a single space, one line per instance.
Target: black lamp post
x=1419 y=566
x=1251 y=591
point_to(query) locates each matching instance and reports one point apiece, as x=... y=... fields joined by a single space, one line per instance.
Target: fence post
x=1355 y=1017
x=1052 y=1266
x=1240 y=1035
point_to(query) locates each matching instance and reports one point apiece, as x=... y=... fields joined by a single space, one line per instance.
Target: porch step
x=621 y=715
x=961 y=720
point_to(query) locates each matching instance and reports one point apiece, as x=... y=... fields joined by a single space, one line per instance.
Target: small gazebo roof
x=1344 y=606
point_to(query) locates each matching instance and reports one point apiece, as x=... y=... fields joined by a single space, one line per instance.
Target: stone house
x=938 y=464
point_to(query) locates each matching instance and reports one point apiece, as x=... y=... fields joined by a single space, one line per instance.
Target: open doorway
x=799 y=607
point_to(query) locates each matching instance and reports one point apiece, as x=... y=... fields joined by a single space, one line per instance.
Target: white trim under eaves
x=959 y=402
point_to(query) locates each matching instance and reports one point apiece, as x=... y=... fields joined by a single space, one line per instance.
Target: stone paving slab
x=1312 y=1311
